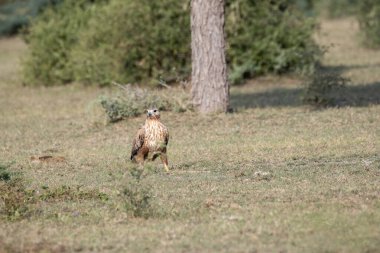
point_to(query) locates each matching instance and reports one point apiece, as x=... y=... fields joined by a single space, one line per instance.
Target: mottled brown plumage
x=151 y=140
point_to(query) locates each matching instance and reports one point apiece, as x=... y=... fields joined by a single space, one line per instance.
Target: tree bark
x=210 y=88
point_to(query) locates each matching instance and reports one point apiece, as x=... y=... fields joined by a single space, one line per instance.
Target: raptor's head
x=153 y=113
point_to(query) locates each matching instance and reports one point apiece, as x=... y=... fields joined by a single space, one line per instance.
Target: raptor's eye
x=155 y=111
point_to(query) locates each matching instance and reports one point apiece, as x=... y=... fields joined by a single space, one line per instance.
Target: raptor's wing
x=138 y=141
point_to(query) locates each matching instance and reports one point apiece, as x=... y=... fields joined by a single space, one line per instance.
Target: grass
x=273 y=177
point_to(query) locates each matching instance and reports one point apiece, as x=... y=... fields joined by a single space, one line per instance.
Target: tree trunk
x=210 y=89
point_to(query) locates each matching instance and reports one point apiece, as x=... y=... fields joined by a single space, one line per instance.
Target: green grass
x=273 y=177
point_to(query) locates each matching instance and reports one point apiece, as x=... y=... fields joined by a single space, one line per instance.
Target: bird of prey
x=151 y=140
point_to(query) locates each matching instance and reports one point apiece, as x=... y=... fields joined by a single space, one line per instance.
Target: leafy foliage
x=326 y=8
x=138 y=195
x=17 y=14
x=268 y=37
x=338 y=8
x=5 y=175
x=132 y=101
x=51 y=39
x=134 y=41
x=321 y=89
x=93 y=42
x=147 y=42
x=369 y=19
x=67 y=193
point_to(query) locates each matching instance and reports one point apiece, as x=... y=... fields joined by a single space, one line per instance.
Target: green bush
x=306 y=6
x=145 y=41
x=15 y=15
x=52 y=36
x=324 y=88
x=337 y=8
x=369 y=19
x=327 y=8
x=133 y=101
x=266 y=37
x=134 y=41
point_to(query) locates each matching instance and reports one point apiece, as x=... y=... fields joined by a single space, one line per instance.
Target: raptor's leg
x=141 y=164
x=140 y=159
x=155 y=155
x=164 y=159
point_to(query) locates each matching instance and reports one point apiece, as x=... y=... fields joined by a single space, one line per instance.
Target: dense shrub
x=369 y=19
x=337 y=8
x=324 y=88
x=52 y=36
x=268 y=37
x=145 y=41
x=327 y=8
x=17 y=14
x=134 y=41
x=306 y=6
x=129 y=41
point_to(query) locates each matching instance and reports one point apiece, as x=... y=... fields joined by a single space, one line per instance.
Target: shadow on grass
x=358 y=95
x=339 y=69
x=353 y=95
